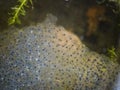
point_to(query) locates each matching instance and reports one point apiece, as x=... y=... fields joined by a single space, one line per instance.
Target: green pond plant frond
x=17 y=11
x=112 y=54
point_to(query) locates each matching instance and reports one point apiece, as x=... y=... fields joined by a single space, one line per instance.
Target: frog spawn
x=47 y=57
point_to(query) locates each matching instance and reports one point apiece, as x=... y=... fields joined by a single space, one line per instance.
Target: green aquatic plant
x=112 y=54
x=18 y=10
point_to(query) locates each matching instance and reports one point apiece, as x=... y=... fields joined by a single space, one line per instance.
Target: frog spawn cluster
x=47 y=57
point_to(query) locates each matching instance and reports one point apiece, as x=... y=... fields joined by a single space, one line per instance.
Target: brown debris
x=95 y=14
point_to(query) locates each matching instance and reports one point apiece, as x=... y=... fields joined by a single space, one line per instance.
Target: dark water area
x=95 y=24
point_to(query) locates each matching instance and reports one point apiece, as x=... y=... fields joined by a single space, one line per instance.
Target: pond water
x=94 y=23
x=57 y=53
